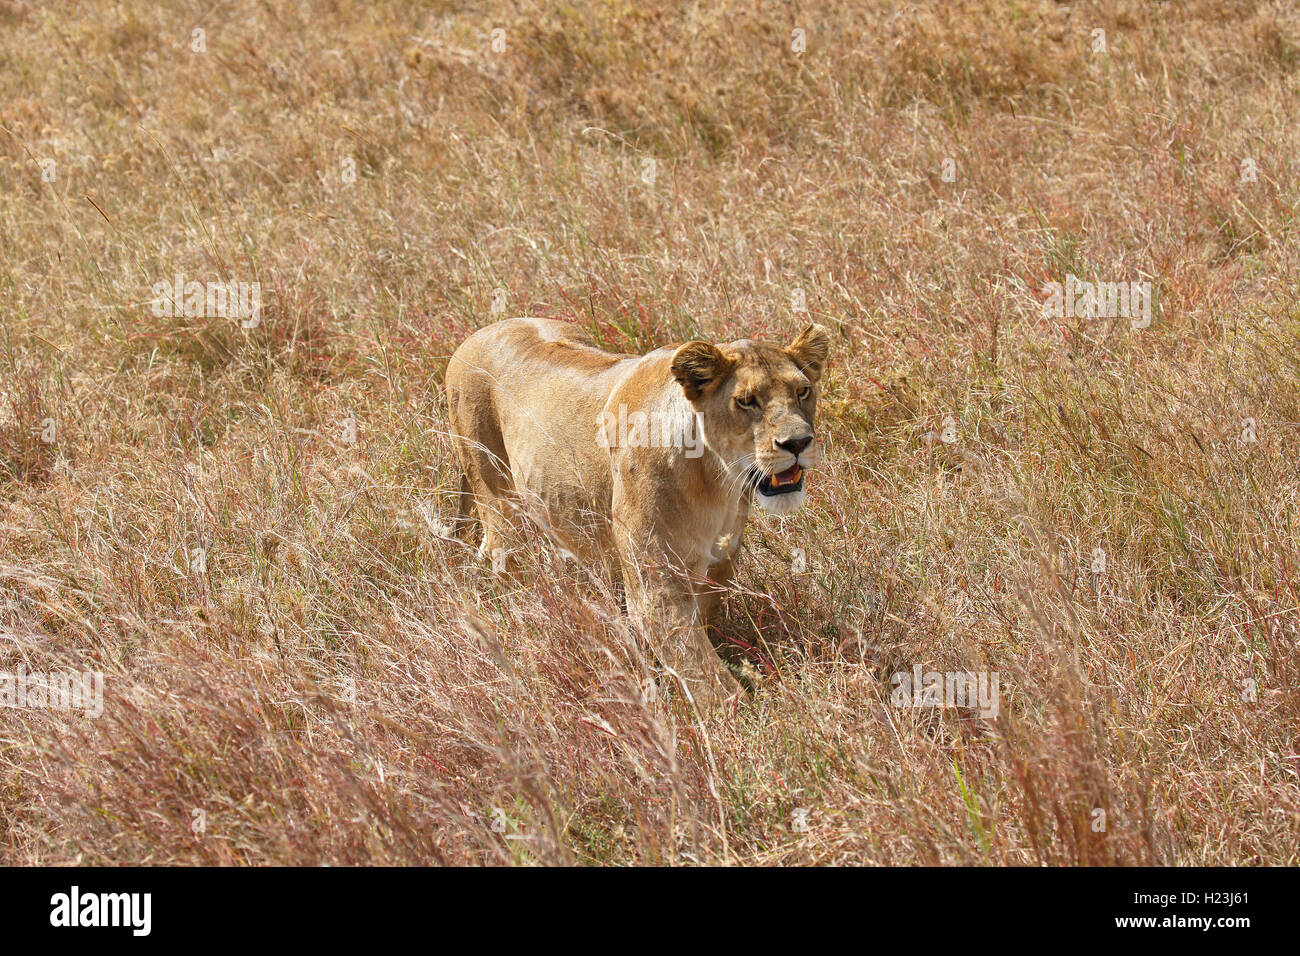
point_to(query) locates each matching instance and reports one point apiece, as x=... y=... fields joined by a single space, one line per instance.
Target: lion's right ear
x=698 y=367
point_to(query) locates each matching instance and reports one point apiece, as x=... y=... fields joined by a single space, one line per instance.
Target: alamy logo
x=75 y=908
x=59 y=690
x=1098 y=300
x=946 y=689
x=655 y=429
x=221 y=300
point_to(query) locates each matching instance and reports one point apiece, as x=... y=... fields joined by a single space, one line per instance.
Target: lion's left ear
x=810 y=349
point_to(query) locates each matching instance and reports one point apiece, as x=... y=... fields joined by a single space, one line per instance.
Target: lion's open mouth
x=781 y=483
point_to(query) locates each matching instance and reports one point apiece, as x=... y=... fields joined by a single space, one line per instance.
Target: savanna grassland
x=246 y=528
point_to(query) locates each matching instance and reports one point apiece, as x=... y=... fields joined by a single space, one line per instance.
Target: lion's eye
x=804 y=393
x=748 y=402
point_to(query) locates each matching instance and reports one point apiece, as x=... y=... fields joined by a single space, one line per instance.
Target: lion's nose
x=795 y=445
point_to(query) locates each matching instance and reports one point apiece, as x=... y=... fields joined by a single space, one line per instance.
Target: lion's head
x=757 y=404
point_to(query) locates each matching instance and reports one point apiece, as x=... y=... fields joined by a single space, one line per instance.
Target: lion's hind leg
x=486 y=494
x=486 y=486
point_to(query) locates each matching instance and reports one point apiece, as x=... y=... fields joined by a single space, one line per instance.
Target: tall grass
x=246 y=529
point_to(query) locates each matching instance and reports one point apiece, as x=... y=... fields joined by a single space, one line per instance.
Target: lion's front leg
x=667 y=607
x=709 y=593
x=661 y=598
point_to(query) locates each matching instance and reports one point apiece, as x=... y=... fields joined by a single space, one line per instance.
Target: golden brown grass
x=343 y=683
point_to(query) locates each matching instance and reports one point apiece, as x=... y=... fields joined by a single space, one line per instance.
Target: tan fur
x=526 y=399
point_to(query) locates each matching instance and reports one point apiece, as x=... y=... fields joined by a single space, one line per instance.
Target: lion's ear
x=810 y=349
x=698 y=367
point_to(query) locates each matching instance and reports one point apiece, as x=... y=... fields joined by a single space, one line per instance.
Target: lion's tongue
x=788 y=477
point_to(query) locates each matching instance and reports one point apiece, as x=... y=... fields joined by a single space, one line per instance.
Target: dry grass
x=342 y=683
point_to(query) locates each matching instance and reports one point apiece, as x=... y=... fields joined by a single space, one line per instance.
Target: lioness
x=540 y=418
